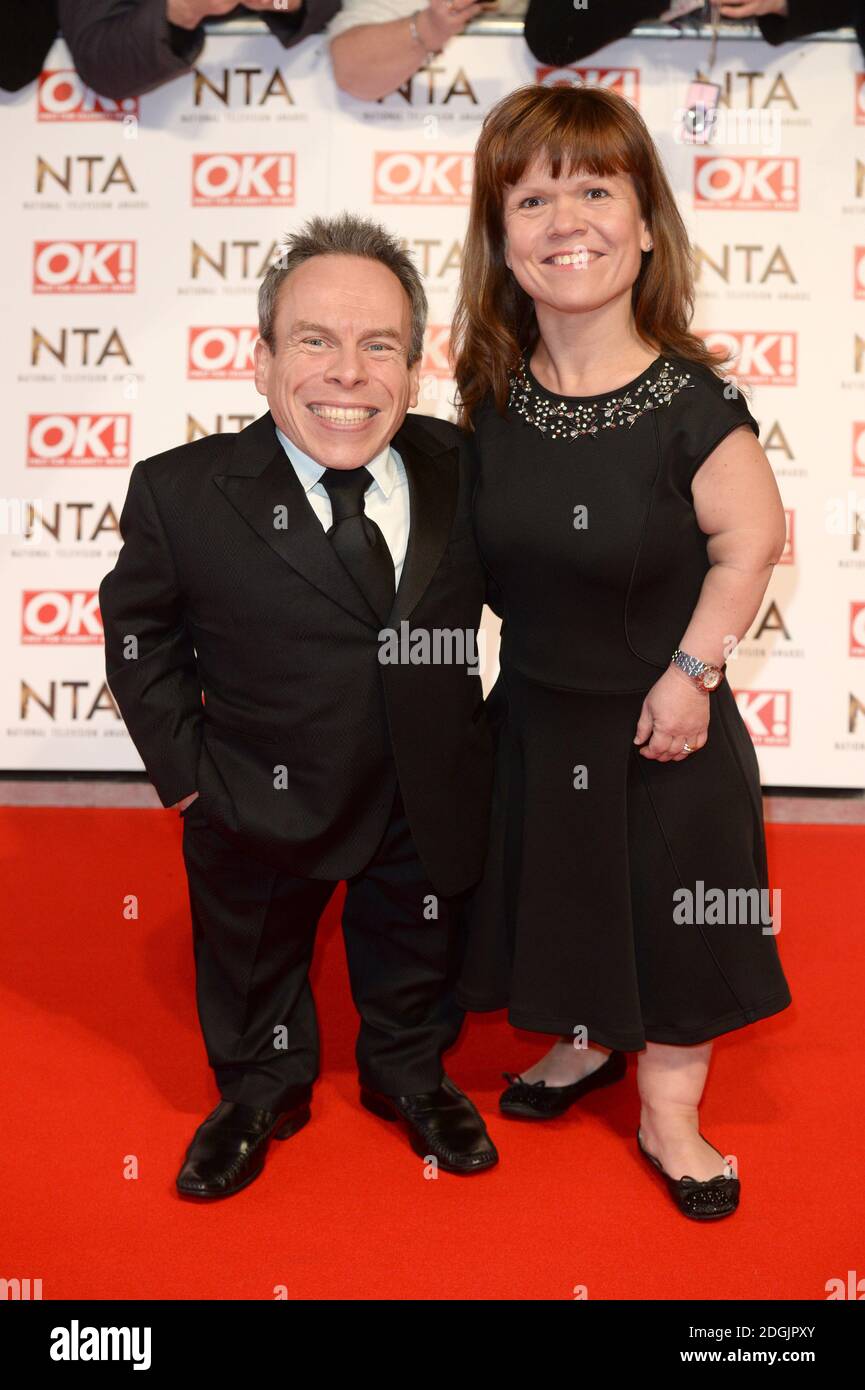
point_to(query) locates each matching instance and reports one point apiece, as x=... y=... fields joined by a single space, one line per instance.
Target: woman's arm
x=739 y=508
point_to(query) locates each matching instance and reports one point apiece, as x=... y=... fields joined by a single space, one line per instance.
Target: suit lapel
x=433 y=480
x=264 y=489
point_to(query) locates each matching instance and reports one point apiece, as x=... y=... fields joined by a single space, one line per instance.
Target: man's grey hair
x=344 y=235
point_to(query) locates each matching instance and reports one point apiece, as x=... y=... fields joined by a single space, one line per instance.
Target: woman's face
x=574 y=244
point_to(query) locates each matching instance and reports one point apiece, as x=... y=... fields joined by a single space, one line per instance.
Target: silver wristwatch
x=704 y=676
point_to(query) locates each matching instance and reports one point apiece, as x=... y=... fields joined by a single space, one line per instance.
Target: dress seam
x=646 y=521
x=723 y=720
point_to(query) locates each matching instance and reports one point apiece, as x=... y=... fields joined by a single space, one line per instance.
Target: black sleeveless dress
x=585 y=522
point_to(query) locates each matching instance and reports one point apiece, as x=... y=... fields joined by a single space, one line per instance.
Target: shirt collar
x=382 y=467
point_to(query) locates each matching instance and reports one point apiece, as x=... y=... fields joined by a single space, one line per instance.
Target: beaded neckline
x=568 y=417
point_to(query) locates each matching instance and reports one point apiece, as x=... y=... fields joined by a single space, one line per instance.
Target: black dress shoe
x=442 y=1123
x=702 y=1201
x=229 y=1148
x=535 y=1100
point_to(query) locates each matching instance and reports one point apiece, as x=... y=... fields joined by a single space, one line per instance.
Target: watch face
x=711 y=679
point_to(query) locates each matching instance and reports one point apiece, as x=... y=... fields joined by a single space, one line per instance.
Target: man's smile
x=342 y=416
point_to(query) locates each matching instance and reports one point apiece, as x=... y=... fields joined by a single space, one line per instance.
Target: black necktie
x=357 y=540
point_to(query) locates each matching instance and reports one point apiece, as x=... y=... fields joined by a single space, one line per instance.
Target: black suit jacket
x=227 y=587
x=27 y=30
x=122 y=48
x=557 y=33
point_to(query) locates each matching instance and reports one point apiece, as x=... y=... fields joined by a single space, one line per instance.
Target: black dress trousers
x=253 y=937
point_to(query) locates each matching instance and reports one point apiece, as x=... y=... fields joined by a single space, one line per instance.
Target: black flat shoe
x=702 y=1201
x=442 y=1123
x=228 y=1149
x=535 y=1100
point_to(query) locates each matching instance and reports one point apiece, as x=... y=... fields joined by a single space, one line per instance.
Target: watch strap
x=696 y=669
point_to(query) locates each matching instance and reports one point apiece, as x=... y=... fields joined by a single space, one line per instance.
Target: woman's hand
x=674 y=712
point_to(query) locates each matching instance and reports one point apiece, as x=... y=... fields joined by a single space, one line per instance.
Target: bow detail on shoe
x=714 y=1196
x=513 y=1080
x=711 y=1197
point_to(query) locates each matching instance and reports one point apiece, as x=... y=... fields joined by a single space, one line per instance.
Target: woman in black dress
x=629 y=521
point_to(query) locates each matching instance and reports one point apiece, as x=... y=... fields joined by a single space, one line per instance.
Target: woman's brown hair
x=569 y=128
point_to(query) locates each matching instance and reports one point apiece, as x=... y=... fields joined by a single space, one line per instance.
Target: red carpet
x=104 y=1069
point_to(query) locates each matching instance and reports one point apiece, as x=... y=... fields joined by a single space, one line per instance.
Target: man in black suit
x=28 y=28
x=558 y=32
x=290 y=635
x=123 y=48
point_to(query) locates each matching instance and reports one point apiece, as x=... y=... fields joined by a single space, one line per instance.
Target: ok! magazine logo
x=62 y=96
x=767 y=716
x=78 y=440
x=762 y=358
x=221 y=353
x=625 y=82
x=437 y=360
x=61 y=617
x=84 y=267
x=422 y=177
x=243 y=180
x=746 y=183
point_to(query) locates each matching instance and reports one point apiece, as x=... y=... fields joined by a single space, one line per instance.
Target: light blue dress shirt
x=386 y=500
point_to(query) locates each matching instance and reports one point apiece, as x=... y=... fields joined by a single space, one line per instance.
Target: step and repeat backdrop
x=136 y=233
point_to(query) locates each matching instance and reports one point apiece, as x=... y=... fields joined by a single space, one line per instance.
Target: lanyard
x=714 y=20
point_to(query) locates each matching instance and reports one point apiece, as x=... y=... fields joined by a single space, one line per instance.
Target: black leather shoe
x=443 y=1123
x=535 y=1100
x=229 y=1148
x=702 y=1201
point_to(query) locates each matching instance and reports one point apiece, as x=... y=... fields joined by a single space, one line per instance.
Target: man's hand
x=442 y=19
x=188 y=14
x=277 y=6
x=674 y=712
x=184 y=802
x=753 y=9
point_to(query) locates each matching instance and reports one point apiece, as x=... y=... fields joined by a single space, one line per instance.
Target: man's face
x=337 y=383
x=574 y=244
